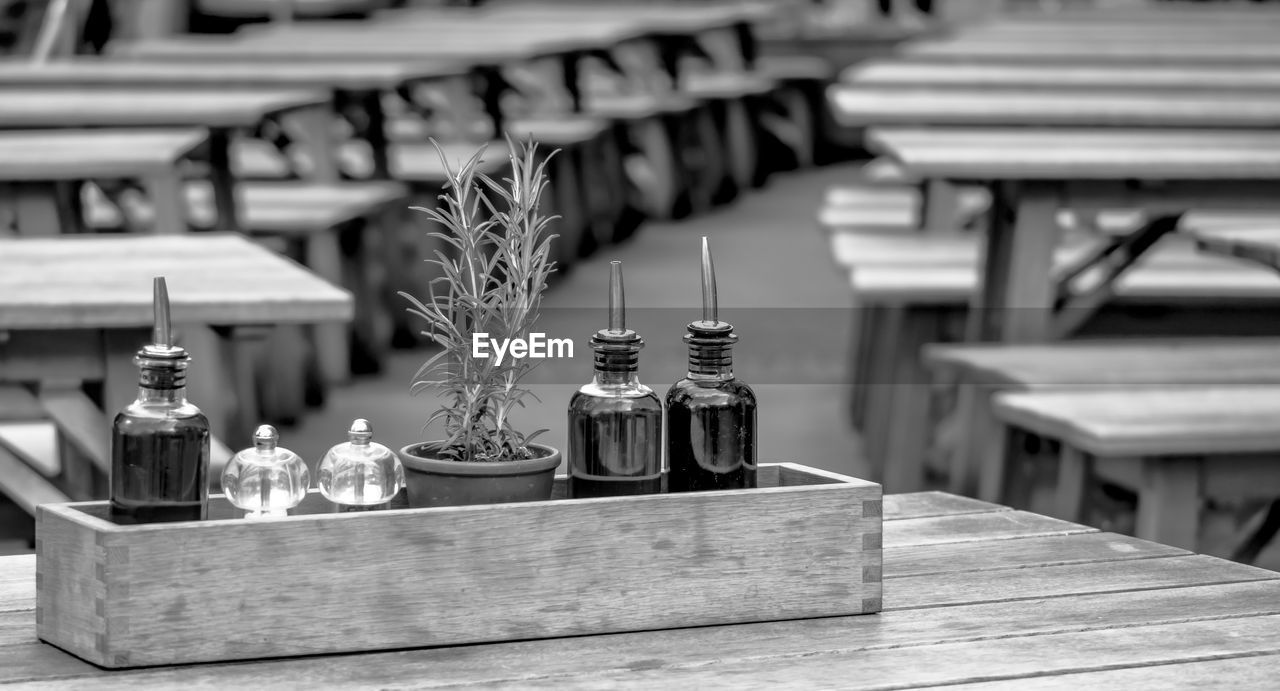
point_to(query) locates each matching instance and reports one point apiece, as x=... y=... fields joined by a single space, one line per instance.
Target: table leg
x=1015 y=300
x=1074 y=468
x=37 y=211
x=907 y=436
x=238 y=349
x=314 y=126
x=995 y=476
x=375 y=133
x=222 y=180
x=323 y=255
x=167 y=192
x=1169 y=501
x=978 y=443
x=941 y=206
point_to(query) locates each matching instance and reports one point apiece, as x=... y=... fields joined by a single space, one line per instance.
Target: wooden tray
x=806 y=543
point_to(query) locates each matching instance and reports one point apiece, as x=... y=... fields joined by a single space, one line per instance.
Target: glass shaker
x=265 y=480
x=360 y=474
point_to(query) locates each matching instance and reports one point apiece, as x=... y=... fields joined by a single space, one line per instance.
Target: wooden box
x=806 y=543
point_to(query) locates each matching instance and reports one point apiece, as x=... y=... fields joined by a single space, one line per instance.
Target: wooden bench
x=336 y=230
x=911 y=290
x=1175 y=445
x=39 y=168
x=985 y=370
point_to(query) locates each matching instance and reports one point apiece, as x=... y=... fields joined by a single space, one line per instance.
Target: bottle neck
x=710 y=363
x=611 y=378
x=175 y=396
x=162 y=385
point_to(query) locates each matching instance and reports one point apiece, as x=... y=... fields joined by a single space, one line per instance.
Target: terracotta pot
x=434 y=481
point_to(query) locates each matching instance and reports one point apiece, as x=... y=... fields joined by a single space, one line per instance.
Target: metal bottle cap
x=161 y=349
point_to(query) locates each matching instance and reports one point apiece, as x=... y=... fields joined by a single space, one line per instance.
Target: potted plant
x=492 y=283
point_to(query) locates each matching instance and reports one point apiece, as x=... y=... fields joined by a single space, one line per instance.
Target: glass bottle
x=615 y=422
x=360 y=474
x=711 y=415
x=160 y=442
x=266 y=480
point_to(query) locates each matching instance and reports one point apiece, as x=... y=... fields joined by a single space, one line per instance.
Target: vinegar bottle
x=711 y=415
x=615 y=422
x=160 y=442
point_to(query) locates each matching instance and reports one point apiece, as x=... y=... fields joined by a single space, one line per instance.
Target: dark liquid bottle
x=615 y=422
x=711 y=415
x=615 y=439
x=711 y=420
x=160 y=442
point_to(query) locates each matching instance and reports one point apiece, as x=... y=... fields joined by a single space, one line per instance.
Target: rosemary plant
x=492 y=284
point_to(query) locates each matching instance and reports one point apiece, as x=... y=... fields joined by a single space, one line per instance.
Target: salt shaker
x=360 y=473
x=265 y=480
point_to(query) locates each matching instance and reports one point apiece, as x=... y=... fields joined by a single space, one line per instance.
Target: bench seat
x=1174 y=445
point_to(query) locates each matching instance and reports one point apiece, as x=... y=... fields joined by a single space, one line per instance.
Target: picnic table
x=1032 y=50
x=37 y=165
x=355 y=84
x=74 y=309
x=222 y=111
x=1033 y=172
x=974 y=593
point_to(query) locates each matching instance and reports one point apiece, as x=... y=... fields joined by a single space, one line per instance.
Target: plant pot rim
x=412 y=458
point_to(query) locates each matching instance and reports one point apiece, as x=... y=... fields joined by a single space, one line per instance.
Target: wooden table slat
x=105 y=281
x=913 y=631
x=229 y=108
x=45 y=155
x=1000 y=525
x=1026 y=552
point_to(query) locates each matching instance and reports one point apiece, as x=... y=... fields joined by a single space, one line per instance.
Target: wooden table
x=974 y=593
x=859 y=105
x=1033 y=172
x=222 y=111
x=355 y=84
x=74 y=309
x=37 y=165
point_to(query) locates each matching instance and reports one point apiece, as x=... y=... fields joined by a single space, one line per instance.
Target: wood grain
x=93 y=73
x=933 y=504
x=100 y=153
x=1001 y=658
x=1148 y=421
x=546 y=569
x=998 y=525
x=914 y=631
x=1030 y=50
x=1142 y=78
x=860 y=105
x=1207 y=360
x=148 y=107
x=1250 y=671
x=1073 y=154
x=104 y=281
x=1018 y=554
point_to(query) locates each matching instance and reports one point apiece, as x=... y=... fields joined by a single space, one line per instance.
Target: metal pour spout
x=617 y=299
x=162 y=329
x=710 y=303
